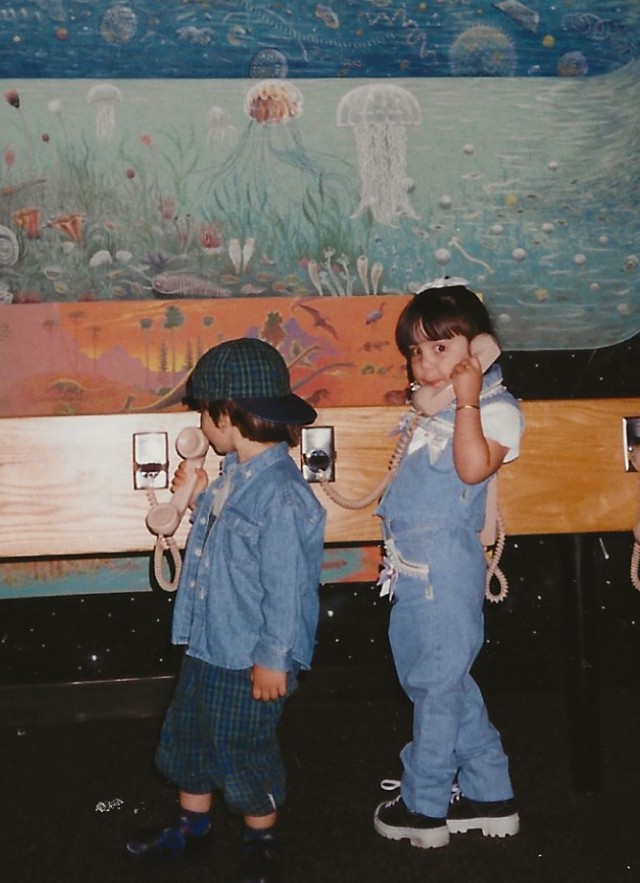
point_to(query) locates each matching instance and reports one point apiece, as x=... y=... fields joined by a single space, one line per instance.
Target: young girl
x=455 y=772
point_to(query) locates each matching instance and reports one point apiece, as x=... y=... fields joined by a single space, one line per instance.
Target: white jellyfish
x=104 y=97
x=379 y=114
x=220 y=132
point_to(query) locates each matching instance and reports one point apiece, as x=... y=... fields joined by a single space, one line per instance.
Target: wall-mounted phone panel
x=631 y=443
x=317 y=452
x=150 y=460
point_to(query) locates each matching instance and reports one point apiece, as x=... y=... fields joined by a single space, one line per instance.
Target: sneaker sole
x=503 y=826
x=424 y=838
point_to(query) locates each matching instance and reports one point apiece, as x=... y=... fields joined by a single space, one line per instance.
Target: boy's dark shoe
x=172 y=843
x=260 y=861
x=396 y=822
x=495 y=818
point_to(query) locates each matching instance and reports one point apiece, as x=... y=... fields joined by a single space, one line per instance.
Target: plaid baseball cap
x=253 y=374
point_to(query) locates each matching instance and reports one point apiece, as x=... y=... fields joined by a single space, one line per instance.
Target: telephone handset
x=429 y=402
x=163 y=519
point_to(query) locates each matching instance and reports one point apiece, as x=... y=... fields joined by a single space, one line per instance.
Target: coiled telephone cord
x=165 y=544
x=494 y=556
x=635 y=566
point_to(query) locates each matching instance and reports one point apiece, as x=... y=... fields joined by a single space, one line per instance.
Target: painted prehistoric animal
x=318 y=319
x=183 y=285
x=67 y=389
x=375 y=315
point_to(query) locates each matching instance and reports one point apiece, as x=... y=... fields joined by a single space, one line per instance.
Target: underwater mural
x=151 y=190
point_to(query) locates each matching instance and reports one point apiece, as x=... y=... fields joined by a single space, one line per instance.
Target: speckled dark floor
x=56 y=777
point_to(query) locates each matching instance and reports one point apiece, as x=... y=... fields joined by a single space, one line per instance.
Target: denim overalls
x=437 y=570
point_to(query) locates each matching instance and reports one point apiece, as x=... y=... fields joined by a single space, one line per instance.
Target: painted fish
x=183 y=285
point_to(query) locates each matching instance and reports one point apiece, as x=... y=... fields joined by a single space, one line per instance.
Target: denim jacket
x=248 y=592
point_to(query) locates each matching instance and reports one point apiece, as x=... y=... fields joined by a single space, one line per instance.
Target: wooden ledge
x=66 y=483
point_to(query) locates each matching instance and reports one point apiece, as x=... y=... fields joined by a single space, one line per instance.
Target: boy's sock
x=171 y=841
x=194 y=824
x=252 y=834
x=259 y=856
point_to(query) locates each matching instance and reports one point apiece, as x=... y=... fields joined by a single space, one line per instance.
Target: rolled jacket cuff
x=272 y=658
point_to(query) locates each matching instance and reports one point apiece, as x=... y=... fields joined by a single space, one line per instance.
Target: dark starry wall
x=96 y=637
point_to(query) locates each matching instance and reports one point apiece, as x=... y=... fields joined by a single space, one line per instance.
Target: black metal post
x=581 y=665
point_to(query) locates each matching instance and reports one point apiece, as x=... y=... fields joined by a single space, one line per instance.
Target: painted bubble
x=482 y=51
x=548 y=227
x=118 y=25
x=497 y=229
x=579 y=259
x=518 y=254
x=469 y=149
x=553 y=165
x=268 y=64
x=445 y=201
x=631 y=262
x=442 y=256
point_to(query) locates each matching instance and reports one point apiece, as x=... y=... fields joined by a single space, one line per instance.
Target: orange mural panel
x=102 y=358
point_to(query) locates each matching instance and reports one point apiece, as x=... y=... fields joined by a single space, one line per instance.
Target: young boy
x=246 y=607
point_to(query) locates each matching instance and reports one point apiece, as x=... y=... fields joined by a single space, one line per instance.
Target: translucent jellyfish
x=379 y=114
x=268 y=63
x=270 y=188
x=482 y=51
x=118 y=25
x=572 y=64
x=220 y=132
x=104 y=97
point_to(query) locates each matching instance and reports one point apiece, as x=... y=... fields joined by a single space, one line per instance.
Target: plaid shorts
x=216 y=736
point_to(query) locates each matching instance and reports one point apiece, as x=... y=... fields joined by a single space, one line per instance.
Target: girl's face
x=432 y=361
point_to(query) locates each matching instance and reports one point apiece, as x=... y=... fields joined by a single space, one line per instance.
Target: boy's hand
x=267 y=683
x=180 y=476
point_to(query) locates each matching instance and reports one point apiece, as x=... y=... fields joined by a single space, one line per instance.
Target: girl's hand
x=180 y=476
x=268 y=684
x=467 y=381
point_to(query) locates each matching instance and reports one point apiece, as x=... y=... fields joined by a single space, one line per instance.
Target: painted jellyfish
x=269 y=188
x=379 y=113
x=104 y=97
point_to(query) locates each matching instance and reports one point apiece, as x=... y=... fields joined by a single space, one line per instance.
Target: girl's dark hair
x=440 y=313
x=252 y=427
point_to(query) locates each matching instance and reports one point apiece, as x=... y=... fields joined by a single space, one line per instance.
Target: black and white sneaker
x=495 y=818
x=395 y=821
